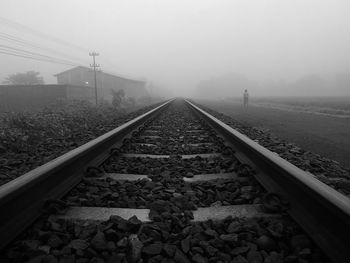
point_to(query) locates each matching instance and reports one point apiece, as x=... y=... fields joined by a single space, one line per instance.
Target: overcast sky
x=178 y=43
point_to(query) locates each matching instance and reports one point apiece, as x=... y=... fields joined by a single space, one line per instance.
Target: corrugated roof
x=104 y=72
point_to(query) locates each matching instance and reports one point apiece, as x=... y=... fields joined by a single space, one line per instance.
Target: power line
x=21 y=27
x=6 y=52
x=13 y=53
x=23 y=42
x=35 y=54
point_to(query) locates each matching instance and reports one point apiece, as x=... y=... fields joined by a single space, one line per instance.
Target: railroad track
x=173 y=185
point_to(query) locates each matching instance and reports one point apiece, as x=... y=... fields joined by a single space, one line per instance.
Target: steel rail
x=320 y=210
x=22 y=199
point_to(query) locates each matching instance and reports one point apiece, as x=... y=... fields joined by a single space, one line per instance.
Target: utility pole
x=94 y=65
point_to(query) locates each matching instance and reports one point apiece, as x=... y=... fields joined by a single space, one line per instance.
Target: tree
x=130 y=102
x=118 y=97
x=28 y=78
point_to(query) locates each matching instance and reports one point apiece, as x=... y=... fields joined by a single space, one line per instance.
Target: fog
x=193 y=48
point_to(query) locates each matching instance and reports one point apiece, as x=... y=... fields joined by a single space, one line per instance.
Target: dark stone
x=78 y=244
x=45 y=249
x=55 y=241
x=196 y=228
x=118 y=258
x=239 y=250
x=124 y=225
x=233 y=227
x=31 y=244
x=135 y=250
x=96 y=260
x=112 y=235
x=165 y=235
x=189 y=214
x=254 y=256
x=197 y=250
x=66 y=250
x=98 y=242
x=180 y=257
x=159 y=206
x=50 y=259
x=155 y=259
x=204 y=244
x=173 y=238
x=215 y=260
x=166 y=215
x=210 y=232
x=122 y=243
x=149 y=185
x=153 y=249
x=274 y=258
x=211 y=250
x=197 y=258
x=239 y=259
x=134 y=223
x=169 y=249
x=89 y=252
x=67 y=259
x=231 y=238
x=111 y=246
x=185 y=244
x=224 y=257
x=114 y=219
x=266 y=243
x=217 y=243
x=177 y=195
x=186 y=231
x=155 y=235
x=189 y=174
x=154 y=216
x=131 y=188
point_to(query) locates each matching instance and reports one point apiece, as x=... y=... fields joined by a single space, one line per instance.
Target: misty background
x=208 y=49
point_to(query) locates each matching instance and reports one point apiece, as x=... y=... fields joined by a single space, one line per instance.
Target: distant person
x=245 y=98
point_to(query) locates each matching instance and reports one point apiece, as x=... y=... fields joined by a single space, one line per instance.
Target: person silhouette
x=245 y=98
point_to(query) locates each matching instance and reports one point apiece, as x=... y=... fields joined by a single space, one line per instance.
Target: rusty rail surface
x=22 y=199
x=320 y=210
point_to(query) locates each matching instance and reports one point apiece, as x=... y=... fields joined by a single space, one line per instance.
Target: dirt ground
x=327 y=136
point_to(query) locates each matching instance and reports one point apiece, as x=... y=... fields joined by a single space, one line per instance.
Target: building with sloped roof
x=84 y=76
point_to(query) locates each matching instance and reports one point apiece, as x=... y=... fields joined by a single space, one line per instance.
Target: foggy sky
x=177 y=44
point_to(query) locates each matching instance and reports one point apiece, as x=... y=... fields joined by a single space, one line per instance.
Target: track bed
x=173 y=191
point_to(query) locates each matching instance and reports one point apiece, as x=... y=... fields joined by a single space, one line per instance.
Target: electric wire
x=22 y=42
x=13 y=53
x=34 y=53
x=20 y=27
x=28 y=54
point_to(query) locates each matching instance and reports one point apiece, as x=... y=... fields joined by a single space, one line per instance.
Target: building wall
x=80 y=93
x=82 y=76
x=77 y=77
x=34 y=97
x=29 y=97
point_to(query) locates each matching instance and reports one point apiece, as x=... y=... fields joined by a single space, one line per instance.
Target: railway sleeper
x=159 y=156
x=194 y=179
x=201 y=214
